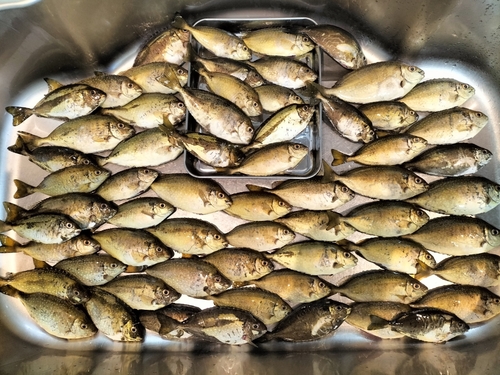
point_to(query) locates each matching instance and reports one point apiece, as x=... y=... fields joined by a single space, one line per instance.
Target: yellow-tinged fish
x=170 y=46
x=389 y=115
x=148 y=76
x=167 y=327
x=277 y=42
x=274 y=97
x=142 y=213
x=127 y=183
x=260 y=235
x=257 y=206
x=179 y=311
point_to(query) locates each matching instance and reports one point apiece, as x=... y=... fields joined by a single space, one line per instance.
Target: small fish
x=190 y=276
x=381 y=285
x=179 y=311
x=92 y=269
x=87 y=134
x=62 y=102
x=381 y=81
x=142 y=213
x=220 y=42
x=127 y=183
x=190 y=236
x=457 y=235
x=472 y=304
x=437 y=95
x=275 y=41
x=390 y=150
x=268 y=307
x=451 y=160
x=260 y=235
x=170 y=46
x=240 y=264
x=257 y=206
x=309 y=322
x=273 y=97
x=449 y=126
x=394 y=254
x=148 y=77
x=113 y=318
x=389 y=115
x=133 y=247
x=337 y=43
x=314 y=258
x=201 y=196
x=165 y=326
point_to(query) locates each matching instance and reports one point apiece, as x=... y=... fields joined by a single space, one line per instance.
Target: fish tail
x=23 y=189
x=40 y=264
x=168 y=128
x=180 y=23
x=4 y=227
x=377 y=322
x=328 y=173
x=6 y=241
x=101 y=160
x=9 y=291
x=423 y=271
x=169 y=79
x=29 y=140
x=338 y=158
x=19 y=147
x=251 y=187
x=14 y=212
x=191 y=55
x=19 y=114
x=134 y=269
x=52 y=84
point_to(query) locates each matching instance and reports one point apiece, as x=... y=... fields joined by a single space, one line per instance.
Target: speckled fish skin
x=268 y=307
x=381 y=285
x=472 y=304
x=143 y=212
x=170 y=46
x=381 y=81
x=240 y=264
x=190 y=276
x=451 y=160
x=457 y=235
x=386 y=218
x=309 y=322
x=257 y=206
x=438 y=94
x=394 y=254
x=190 y=236
x=200 y=196
x=339 y=44
x=277 y=42
x=88 y=134
x=127 y=184
x=460 y=196
x=133 y=247
x=260 y=235
x=389 y=115
x=314 y=258
x=147 y=76
x=449 y=126
x=274 y=97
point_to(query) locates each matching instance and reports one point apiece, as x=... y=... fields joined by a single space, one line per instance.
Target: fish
x=200 y=196
x=134 y=247
x=390 y=150
x=386 y=218
x=381 y=285
x=273 y=97
x=394 y=254
x=220 y=42
x=457 y=235
x=276 y=41
x=75 y=247
x=141 y=292
x=469 y=195
x=92 y=269
x=317 y=225
x=45 y=228
x=478 y=269
x=189 y=235
x=314 y=258
x=390 y=116
x=429 y=325
x=294 y=287
x=438 y=94
x=170 y=46
x=113 y=318
x=240 y=264
x=148 y=76
x=225 y=325
x=143 y=212
x=215 y=114
x=87 y=134
x=272 y=159
x=127 y=184
x=147 y=110
x=190 y=276
x=257 y=206
x=309 y=322
x=451 y=160
x=50 y=281
x=449 y=126
x=260 y=235
x=267 y=307
x=380 y=81
x=284 y=71
x=382 y=182
x=63 y=102
x=472 y=304
x=166 y=327
x=346 y=119
x=148 y=148
x=179 y=311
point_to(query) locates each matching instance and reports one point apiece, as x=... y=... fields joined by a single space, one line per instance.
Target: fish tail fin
x=191 y=55
x=40 y=264
x=251 y=187
x=23 y=189
x=314 y=90
x=168 y=128
x=101 y=160
x=19 y=114
x=4 y=227
x=423 y=271
x=180 y=23
x=19 y=147
x=338 y=158
x=346 y=244
x=29 y=140
x=169 y=78
x=52 y=84
x=6 y=241
x=9 y=291
x=14 y=212
x=328 y=173
x=377 y=322
x=134 y=269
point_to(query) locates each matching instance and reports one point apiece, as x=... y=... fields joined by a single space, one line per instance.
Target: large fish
x=257 y=206
x=274 y=97
x=127 y=183
x=390 y=116
x=260 y=235
x=143 y=212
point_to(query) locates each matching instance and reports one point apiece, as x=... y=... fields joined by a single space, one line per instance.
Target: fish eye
x=221 y=195
x=296 y=146
x=165 y=292
x=347 y=254
x=180 y=71
x=93 y=92
x=286 y=231
x=146 y=171
x=255 y=104
x=428 y=256
x=412 y=68
x=479 y=114
x=244 y=48
x=339 y=308
x=281 y=204
x=69 y=225
x=420 y=213
x=162 y=205
x=250 y=129
x=217 y=236
x=305 y=39
x=180 y=105
x=217 y=279
x=113 y=265
x=98 y=173
x=130 y=85
x=418 y=180
x=321 y=284
x=133 y=330
x=495 y=232
x=159 y=249
x=86 y=162
x=86 y=242
x=103 y=206
x=465 y=86
x=76 y=293
x=496 y=300
x=345 y=189
x=296 y=97
x=83 y=326
x=413 y=113
x=255 y=326
x=265 y=262
x=416 y=286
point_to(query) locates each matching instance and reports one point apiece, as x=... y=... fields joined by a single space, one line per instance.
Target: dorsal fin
x=53 y=84
x=98 y=73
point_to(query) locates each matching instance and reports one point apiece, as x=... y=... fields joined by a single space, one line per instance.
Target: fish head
x=176 y=113
x=112 y=268
x=458 y=326
x=491 y=302
x=416 y=144
x=241 y=52
x=338 y=312
x=83 y=327
x=464 y=90
x=263 y=266
x=216 y=241
x=161 y=209
x=492 y=236
x=130 y=89
x=97 y=174
x=285 y=235
x=165 y=296
x=236 y=156
x=477 y=119
x=281 y=310
x=280 y=207
x=93 y=97
x=306 y=74
x=147 y=175
x=157 y=252
x=416 y=183
x=359 y=59
x=346 y=258
x=245 y=131
x=305 y=111
x=342 y=192
x=68 y=229
x=86 y=245
x=319 y=288
x=103 y=211
x=414 y=290
x=412 y=74
x=426 y=258
x=77 y=294
x=120 y=130
x=494 y=192
x=304 y=43
x=418 y=217
x=367 y=134
x=253 y=329
x=297 y=151
x=182 y=75
x=216 y=283
x=132 y=331
x=253 y=78
x=407 y=116
x=218 y=199
x=482 y=156
x=253 y=107
x=293 y=98
x=181 y=34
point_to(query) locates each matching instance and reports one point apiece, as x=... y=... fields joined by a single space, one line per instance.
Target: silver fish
x=127 y=183
x=170 y=46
